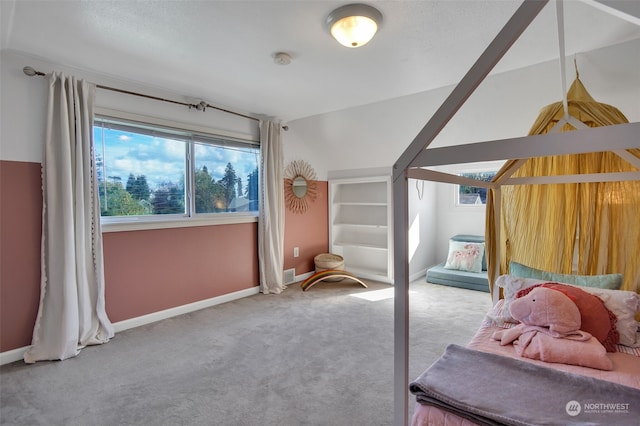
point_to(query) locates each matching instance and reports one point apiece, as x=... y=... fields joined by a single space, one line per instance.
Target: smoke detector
x=282 y=58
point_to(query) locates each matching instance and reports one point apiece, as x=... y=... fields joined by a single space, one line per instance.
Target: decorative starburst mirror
x=300 y=186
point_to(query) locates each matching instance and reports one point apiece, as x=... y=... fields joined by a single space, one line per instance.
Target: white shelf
x=354 y=244
x=347 y=203
x=362 y=192
x=361 y=225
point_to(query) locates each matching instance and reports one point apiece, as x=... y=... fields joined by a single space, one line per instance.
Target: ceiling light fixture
x=354 y=25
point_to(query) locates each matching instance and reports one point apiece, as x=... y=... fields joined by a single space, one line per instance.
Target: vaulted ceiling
x=222 y=51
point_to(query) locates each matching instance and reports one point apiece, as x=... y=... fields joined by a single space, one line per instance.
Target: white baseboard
x=184 y=309
x=18 y=354
x=420 y=275
x=13 y=355
x=303 y=277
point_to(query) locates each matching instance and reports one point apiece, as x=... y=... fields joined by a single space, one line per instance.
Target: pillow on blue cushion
x=465 y=256
x=607 y=281
x=472 y=239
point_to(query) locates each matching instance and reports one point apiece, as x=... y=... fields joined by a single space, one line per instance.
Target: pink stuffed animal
x=544 y=308
x=549 y=330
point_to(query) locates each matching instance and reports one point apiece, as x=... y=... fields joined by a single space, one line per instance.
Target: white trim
x=101 y=111
x=138 y=223
x=303 y=277
x=18 y=354
x=420 y=275
x=146 y=222
x=13 y=355
x=184 y=309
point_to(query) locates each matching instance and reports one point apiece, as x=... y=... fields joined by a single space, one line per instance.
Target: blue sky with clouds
x=163 y=160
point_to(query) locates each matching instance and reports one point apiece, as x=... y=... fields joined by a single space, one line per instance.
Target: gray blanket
x=491 y=389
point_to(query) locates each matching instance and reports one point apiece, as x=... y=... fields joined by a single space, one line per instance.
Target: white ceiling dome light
x=354 y=25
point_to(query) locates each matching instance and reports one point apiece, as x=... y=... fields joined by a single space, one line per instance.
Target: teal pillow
x=607 y=281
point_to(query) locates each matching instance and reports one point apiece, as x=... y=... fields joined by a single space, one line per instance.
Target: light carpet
x=320 y=357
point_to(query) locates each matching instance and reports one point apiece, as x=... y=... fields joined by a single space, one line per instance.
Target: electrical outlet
x=296 y=251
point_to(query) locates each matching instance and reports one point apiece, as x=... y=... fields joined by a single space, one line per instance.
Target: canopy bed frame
x=417 y=157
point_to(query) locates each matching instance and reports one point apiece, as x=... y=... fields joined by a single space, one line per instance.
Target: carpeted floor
x=320 y=357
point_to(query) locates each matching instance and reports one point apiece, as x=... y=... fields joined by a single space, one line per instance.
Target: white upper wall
x=504 y=105
x=374 y=135
x=24 y=104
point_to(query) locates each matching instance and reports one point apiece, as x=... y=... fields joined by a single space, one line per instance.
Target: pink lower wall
x=149 y=271
x=309 y=231
x=145 y=271
x=20 y=229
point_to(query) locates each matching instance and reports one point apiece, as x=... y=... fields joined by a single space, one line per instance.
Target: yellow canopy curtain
x=583 y=228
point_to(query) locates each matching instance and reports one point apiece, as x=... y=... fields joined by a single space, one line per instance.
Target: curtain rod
x=202 y=106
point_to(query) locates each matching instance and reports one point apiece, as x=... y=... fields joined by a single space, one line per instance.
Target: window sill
x=142 y=224
x=470 y=207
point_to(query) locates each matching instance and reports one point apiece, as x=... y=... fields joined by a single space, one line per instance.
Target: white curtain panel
x=271 y=220
x=72 y=308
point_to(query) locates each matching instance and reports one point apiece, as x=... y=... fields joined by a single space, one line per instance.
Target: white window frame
x=147 y=222
x=493 y=166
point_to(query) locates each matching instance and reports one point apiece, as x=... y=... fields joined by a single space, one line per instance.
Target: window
x=471 y=195
x=148 y=171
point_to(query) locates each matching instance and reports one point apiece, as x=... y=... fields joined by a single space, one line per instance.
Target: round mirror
x=299 y=186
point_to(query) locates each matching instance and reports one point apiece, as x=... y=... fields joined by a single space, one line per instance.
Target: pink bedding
x=626 y=371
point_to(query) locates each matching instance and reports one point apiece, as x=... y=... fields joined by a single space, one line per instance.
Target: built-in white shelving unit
x=361 y=223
